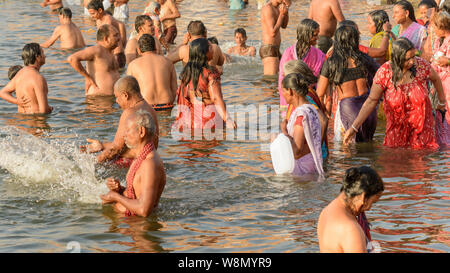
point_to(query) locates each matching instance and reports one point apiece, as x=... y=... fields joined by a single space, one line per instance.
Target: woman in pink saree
x=303 y=49
x=303 y=128
x=407 y=25
x=441 y=63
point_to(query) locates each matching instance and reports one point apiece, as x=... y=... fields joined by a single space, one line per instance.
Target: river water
x=221 y=196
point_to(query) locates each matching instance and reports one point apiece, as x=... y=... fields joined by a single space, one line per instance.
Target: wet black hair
x=140 y=21
x=213 y=40
x=12 y=71
x=197 y=61
x=406 y=5
x=30 y=52
x=345 y=46
x=95 y=4
x=398 y=57
x=66 y=12
x=446 y=6
x=147 y=43
x=297 y=83
x=362 y=180
x=305 y=31
x=379 y=17
x=241 y=31
x=429 y=3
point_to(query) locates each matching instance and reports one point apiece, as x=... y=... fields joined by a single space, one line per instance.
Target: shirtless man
x=196 y=29
x=95 y=8
x=69 y=34
x=143 y=25
x=146 y=177
x=327 y=13
x=169 y=13
x=274 y=15
x=30 y=86
x=129 y=98
x=241 y=49
x=156 y=75
x=54 y=5
x=102 y=68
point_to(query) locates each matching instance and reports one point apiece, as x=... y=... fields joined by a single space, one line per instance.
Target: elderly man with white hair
x=146 y=177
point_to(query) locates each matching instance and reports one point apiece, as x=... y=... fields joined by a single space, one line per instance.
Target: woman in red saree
x=200 y=101
x=403 y=84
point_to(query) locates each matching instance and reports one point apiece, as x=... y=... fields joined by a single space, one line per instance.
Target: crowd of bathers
x=402 y=76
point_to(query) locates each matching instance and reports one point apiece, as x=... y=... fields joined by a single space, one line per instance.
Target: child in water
x=241 y=49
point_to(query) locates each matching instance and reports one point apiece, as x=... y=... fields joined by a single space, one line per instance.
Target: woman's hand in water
x=349 y=134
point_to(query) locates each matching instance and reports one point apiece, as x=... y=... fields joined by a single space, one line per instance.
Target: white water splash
x=56 y=167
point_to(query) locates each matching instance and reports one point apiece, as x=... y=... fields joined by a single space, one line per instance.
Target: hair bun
x=351 y=175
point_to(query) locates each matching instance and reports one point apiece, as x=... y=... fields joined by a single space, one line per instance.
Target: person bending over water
x=274 y=15
x=102 y=68
x=68 y=33
x=327 y=13
x=129 y=98
x=156 y=75
x=303 y=127
x=351 y=72
x=241 y=49
x=54 y=5
x=146 y=177
x=101 y=17
x=403 y=84
x=343 y=226
x=30 y=86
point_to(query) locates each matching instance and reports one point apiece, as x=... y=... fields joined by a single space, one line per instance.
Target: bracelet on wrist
x=354 y=128
x=441 y=104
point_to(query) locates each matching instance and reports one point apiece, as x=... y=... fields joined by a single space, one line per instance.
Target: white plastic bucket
x=282 y=155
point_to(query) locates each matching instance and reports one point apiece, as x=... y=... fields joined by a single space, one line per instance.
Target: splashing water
x=54 y=169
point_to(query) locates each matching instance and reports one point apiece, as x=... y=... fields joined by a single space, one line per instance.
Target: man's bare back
x=31 y=87
x=327 y=13
x=70 y=37
x=156 y=76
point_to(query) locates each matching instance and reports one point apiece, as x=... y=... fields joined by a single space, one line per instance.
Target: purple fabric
x=349 y=109
x=312 y=162
x=314 y=59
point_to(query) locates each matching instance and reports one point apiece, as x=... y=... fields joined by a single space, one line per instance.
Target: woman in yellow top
x=376 y=19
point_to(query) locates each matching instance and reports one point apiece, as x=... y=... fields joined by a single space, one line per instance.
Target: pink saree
x=442 y=123
x=416 y=33
x=314 y=58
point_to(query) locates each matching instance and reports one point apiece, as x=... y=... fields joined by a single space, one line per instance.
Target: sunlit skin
x=371 y=26
x=338 y=230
